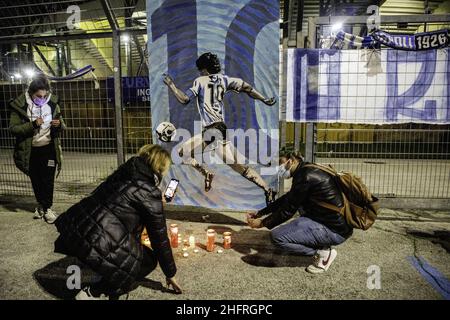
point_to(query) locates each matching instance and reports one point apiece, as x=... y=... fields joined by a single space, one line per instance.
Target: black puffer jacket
x=307 y=183
x=103 y=230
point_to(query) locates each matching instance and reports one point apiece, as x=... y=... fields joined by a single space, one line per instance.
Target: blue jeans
x=304 y=236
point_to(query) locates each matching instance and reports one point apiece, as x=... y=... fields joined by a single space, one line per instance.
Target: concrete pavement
x=251 y=269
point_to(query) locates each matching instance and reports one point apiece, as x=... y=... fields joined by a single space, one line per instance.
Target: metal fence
x=406 y=161
x=403 y=161
x=90 y=141
x=397 y=161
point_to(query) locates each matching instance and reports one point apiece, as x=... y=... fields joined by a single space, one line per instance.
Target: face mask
x=40 y=101
x=283 y=172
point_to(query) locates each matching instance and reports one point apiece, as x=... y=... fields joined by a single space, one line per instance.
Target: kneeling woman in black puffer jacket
x=104 y=229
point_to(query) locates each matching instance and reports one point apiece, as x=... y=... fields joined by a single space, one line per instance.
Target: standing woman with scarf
x=36 y=123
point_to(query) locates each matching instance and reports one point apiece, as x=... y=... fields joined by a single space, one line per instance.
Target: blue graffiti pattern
x=179 y=31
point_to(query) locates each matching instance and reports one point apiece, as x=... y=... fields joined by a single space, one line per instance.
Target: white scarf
x=42 y=134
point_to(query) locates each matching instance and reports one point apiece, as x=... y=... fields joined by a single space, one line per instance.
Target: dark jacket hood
x=138 y=169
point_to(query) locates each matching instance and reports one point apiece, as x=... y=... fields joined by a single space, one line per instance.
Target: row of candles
x=175 y=238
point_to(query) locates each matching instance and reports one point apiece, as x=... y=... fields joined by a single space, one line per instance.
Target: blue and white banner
x=353 y=40
x=245 y=36
x=415 y=42
x=336 y=86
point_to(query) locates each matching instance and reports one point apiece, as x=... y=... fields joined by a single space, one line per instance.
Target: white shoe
x=322 y=261
x=50 y=216
x=85 y=294
x=38 y=213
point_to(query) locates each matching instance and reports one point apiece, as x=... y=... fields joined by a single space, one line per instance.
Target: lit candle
x=227 y=240
x=185 y=254
x=191 y=241
x=219 y=251
x=211 y=238
x=174 y=235
x=195 y=250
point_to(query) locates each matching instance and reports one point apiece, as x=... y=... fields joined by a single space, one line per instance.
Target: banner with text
x=368 y=86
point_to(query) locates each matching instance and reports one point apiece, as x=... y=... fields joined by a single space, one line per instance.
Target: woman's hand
x=56 y=123
x=255 y=223
x=173 y=282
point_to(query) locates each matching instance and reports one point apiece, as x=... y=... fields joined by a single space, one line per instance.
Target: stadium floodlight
x=17 y=76
x=336 y=27
x=29 y=73
x=125 y=38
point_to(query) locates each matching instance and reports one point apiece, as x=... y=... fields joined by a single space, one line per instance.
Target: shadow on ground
x=258 y=251
x=203 y=217
x=441 y=237
x=11 y=204
x=54 y=279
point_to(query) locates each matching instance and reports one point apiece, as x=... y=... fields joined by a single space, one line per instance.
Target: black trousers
x=149 y=263
x=42 y=174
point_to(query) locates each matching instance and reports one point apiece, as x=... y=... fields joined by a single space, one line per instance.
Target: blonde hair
x=156 y=157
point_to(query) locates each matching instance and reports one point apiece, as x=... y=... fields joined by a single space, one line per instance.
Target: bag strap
x=327 y=205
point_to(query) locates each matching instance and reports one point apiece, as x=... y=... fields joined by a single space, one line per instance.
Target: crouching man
x=318 y=228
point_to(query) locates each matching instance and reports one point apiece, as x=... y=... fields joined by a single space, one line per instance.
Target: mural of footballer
x=209 y=90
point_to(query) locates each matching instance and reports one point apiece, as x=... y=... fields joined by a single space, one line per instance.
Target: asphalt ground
x=405 y=255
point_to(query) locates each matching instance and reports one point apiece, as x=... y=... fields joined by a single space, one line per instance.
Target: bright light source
x=336 y=27
x=29 y=72
x=125 y=38
x=18 y=75
x=281 y=20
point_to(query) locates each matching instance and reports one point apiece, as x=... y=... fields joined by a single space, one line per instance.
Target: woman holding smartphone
x=104 y=230
x=36 y=123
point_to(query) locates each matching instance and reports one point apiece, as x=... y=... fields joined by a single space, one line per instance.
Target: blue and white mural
x=245 y=36
x=368 y=86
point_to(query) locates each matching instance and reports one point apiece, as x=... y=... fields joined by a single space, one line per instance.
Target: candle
x=174 y=235
x=185 y=254
x=227 y=240
x=211 y=237
x=219 y=251
x=192 y=241
x=195 y=250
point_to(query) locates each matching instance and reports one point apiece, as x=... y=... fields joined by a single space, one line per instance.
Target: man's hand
x=168 y=80
x=56 y=123
x=173 y=282
x=39 y=121
x=255 y=223
x=270 y=101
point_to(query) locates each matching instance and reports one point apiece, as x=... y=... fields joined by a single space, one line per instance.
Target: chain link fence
x=399 y=161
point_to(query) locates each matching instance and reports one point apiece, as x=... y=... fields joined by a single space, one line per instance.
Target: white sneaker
x=50 y=216
x=38 y=213
x=322 y=261
x=85 y=294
